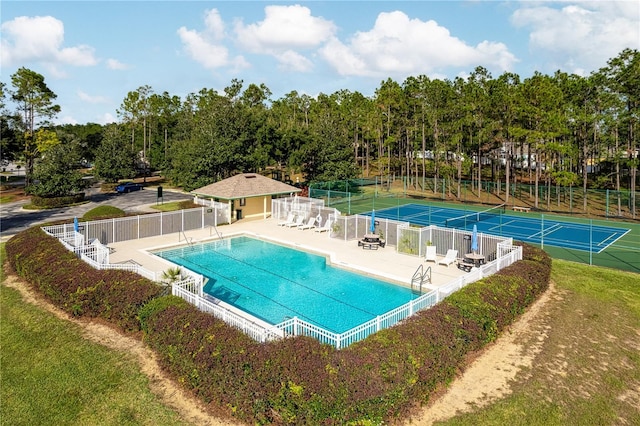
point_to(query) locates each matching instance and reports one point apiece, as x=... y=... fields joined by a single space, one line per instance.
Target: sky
x=93 y=53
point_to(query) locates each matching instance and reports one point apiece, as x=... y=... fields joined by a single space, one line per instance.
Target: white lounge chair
x=449 y=258
x=430 y=255
x=289 y=219
x=299 y=221
x=311 y=223
x=325 y=227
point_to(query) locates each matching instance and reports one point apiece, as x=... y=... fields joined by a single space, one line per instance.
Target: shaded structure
x=249 y=195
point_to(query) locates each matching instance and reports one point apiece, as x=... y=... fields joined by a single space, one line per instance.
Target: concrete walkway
x=383 y=263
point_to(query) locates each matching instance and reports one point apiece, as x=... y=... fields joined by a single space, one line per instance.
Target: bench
x=465 y=265
x=521 y=209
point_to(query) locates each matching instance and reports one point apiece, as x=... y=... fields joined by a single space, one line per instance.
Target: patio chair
x=299 y=221
x=311 y=223
x=449 y=258
x=430 y=255
x=325 y=227
x=288 y=220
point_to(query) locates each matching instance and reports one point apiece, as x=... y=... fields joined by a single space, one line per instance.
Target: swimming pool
x=274 y=283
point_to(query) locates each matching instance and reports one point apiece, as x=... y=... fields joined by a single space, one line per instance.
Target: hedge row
x=53 y=202
x=74 y=286
x=384 y=377
x=297 y=380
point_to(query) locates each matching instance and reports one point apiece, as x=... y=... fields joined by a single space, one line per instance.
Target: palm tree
x=170 y=277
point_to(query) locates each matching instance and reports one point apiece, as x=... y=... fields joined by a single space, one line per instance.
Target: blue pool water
x=273 y=283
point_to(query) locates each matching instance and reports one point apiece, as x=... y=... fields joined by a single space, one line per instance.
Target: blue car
x=127 y=187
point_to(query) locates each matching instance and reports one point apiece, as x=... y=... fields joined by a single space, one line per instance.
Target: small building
x=249 y=194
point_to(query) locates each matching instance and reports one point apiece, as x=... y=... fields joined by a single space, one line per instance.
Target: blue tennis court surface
x=530 y=230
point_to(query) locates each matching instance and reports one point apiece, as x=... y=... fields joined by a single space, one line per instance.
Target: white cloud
x=106 y=118
x=92 y=99
x=206 y=47
x=40 y=39
x=580 y=35
x=115 y=64
x=293 y=61
x=284 y=32
x=398 y=45
x=284 y=28
x=67 y=119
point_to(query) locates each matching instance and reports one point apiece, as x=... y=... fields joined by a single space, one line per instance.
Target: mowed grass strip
x=588 y=370
x=50 y=375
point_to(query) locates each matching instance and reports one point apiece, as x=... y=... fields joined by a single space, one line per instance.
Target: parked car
x=126 y=187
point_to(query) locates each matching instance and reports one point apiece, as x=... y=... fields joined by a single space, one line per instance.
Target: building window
x=243 y=201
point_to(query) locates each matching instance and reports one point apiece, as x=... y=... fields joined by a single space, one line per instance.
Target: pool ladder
x=420 y=277
x=188 y=240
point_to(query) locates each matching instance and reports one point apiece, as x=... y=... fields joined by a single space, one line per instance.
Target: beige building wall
x=255 y=207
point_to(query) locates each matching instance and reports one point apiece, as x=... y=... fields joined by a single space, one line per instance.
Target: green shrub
x=103 y=212
x=54 y=202
x=76 y=287
x=157 y=305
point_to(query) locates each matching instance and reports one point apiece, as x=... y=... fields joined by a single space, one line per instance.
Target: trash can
x=238 y=214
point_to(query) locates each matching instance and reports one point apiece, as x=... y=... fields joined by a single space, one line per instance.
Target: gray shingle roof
x=245 y=185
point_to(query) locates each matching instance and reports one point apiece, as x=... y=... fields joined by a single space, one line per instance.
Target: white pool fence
x=90 y=244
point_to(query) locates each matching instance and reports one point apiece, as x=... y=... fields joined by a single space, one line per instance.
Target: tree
x=36 y=108
x=85 y=137
x=504 y=115
x=53 y=176
x=542 y=118
x=115 y=159
x=9 y=144
x=623 y=74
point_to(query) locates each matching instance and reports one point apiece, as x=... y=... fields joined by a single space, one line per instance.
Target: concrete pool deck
x=383 y=262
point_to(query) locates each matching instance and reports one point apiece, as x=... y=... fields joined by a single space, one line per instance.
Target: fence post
x=591 y=242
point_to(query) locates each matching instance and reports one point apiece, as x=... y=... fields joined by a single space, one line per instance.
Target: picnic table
x=371 y=242
x=476 y=258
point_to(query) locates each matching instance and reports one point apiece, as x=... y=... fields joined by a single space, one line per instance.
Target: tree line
x=562 y=129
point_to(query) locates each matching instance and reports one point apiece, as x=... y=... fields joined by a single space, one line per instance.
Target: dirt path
x=487 y=379
x=484 y=381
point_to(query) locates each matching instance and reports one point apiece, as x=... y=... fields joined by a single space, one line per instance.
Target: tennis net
x=462 y=221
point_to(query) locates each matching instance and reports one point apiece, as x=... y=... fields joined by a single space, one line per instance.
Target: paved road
x=14 y=219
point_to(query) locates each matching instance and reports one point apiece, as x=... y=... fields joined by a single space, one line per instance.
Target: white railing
x=94 y=255
x=222 y=210
x=190 y=289
x=114 y=230
x=261 y=333
x=296 y=326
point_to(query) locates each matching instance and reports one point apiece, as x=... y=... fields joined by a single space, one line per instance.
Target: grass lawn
x=167 y=207
x=51 y=375
x=588 y=372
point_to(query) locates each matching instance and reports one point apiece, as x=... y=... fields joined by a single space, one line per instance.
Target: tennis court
x=495 y=221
